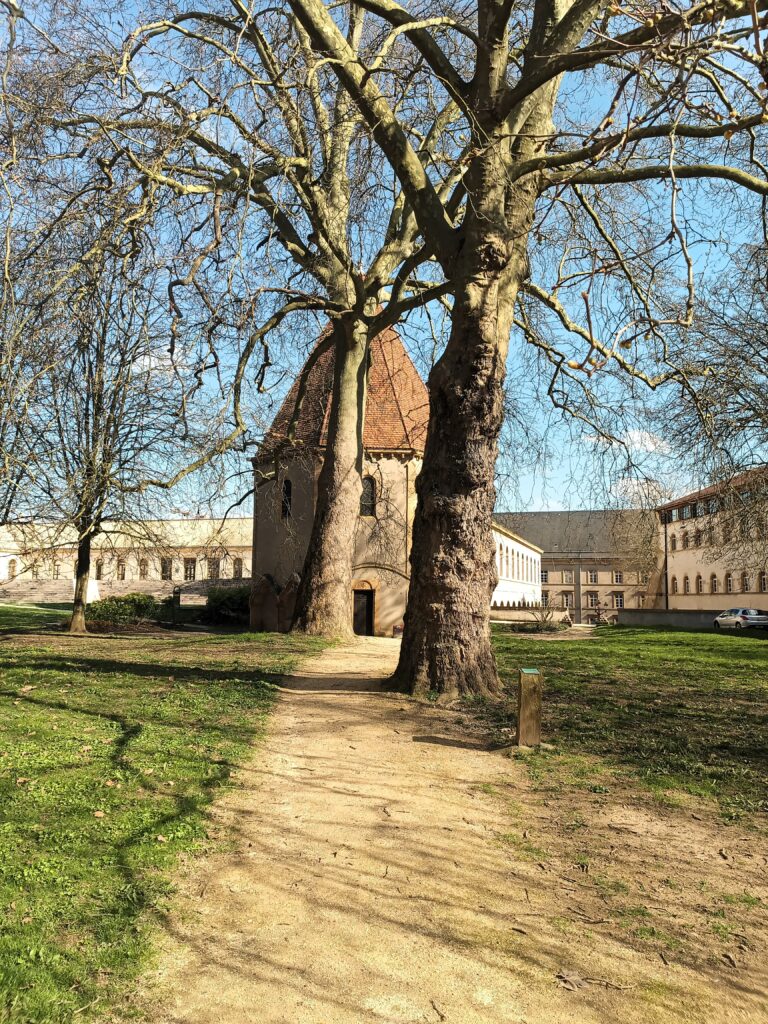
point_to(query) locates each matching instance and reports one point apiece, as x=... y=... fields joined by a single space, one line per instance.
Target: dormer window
x=368 y=497
x=287 y=500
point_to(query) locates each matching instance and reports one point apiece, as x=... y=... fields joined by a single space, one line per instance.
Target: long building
x=593 y=562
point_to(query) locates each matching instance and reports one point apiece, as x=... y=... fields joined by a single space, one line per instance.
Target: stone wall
x=673 y=618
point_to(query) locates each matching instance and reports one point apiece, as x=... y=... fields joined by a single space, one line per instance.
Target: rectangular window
x=35 y=571
x=618 y=600
x=567 y=599
x=545 y=576
x=121 y=569
x=593 y=600
x=214 y=568
x=166 y=568
x=686 y=511
x=237 y=569
x=645 y=578
x=701 y=508
x=545 y=599
x=674 y=515
x=190 y=565
x=712 y=506
x=618 y=576
x=592 y=576
x=56 y=570
x=568 y=576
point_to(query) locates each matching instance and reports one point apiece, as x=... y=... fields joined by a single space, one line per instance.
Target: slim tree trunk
x=82 y=575
x=446 y=645
x=324 y=599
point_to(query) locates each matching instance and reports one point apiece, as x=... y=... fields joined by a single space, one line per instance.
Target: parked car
x=741 y=618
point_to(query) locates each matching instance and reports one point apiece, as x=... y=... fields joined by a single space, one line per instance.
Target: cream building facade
x=286 y=472
x=38 y=563
x=594 y=563
x=714 y=548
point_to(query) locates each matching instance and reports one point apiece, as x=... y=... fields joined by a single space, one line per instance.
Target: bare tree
x=263 y=120
x=584 y=124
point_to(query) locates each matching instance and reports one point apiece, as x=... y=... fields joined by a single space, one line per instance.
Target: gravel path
x=368 y=880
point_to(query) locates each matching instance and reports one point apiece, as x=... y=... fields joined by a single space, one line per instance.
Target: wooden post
x=529 y=708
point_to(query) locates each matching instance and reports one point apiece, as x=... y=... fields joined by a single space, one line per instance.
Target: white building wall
x=519 y=570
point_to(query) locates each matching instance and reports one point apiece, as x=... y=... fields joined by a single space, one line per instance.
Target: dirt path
x=369 y=880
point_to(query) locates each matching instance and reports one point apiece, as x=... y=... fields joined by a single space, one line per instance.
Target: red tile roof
x=397 y=404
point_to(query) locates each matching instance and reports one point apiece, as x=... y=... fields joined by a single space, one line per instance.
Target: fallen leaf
x=20 y=781
x=26 y=920
x=98 y=814
x=570 y=981
x=161 y=839
x=109 y=783
x=26 y=689
x=85 y=749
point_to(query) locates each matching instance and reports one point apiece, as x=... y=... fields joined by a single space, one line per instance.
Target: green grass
x=684 y=713
x=32 y=616
x=110 y=752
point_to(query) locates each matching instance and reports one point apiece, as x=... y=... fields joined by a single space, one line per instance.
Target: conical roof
x=397 y=409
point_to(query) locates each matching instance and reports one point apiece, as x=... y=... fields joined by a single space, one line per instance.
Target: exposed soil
x=384 y=865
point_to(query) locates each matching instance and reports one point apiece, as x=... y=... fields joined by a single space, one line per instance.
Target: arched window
x=287 y=499
x=713 y=584
x=673 y=542
x=686 y=585
x=697 y=538
x=501 y=560
x=237 y=569
x=368 y=497
x=764 y=582
x=699 y=585
x=746 y=582
x=686 y=540
x=728 y=583
x=506 y=556
x=13 y=568
x=100 y=569
x=143 y=568
x=674 y=584
x=121 y=568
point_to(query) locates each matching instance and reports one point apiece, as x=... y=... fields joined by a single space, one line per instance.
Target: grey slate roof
x=608 y=532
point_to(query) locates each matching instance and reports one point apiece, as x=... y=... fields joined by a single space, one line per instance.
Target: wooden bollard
x=529 y=708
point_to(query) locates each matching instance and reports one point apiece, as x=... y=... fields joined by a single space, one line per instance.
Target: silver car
x=741 y=618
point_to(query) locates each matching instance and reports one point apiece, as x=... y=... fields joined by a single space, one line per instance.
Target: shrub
x=129 y=608
x=227 y=604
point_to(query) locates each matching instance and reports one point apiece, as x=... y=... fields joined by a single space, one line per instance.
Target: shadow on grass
x=686 y=711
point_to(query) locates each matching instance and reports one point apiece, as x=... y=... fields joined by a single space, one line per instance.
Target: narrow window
x=214 y=568
x=237 y=569
x=697 y=539
x=143 y=569
x=592 y=576
x=190 y=567
x=686 y=585
x=121 y=569
x=545 y=599
x=368 y=497
x=56 y=570
x=686 y=540
x=746 y=583
x=166 y=568
x=618 y=576
x=674 y=584
x=287 y=500
x=12 y=569
x=673 y=542
x=100 y=569
x=699 y=585
x=545 y=575
x=728 y=583
x=764 y=582
x=618 y=600
x=36 y=571
x=568 y=576
x=713 y=584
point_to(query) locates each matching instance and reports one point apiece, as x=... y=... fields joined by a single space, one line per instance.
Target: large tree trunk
x=324 y=599
x=446 y=645
x=82 y=575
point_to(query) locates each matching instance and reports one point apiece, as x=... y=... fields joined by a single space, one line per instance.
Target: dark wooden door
x=362 y=619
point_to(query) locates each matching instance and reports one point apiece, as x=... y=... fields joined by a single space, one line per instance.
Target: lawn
x=110 y=751
x=683 y=713
x=32 y=616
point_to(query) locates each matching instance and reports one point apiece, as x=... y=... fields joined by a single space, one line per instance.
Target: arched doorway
x=363 y=613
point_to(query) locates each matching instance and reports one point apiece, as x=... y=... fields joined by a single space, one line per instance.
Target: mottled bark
x=324 y=599
x=446 y=641
x=82 y=575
